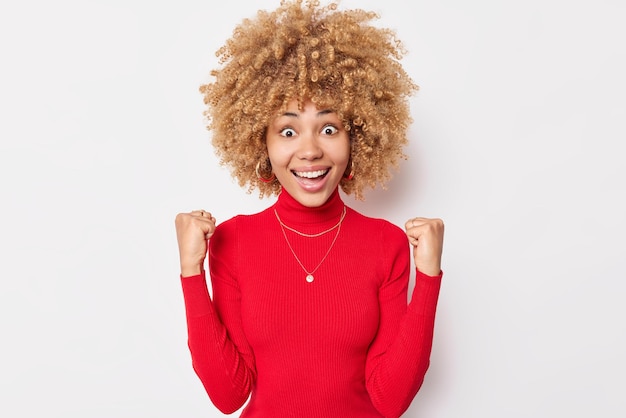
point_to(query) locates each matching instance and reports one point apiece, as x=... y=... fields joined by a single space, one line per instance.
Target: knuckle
x=436 y=222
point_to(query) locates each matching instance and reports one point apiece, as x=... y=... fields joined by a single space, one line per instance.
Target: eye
x=287 y=132
x=329 y=130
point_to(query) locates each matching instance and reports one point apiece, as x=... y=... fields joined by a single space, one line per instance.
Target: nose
x=309 y=147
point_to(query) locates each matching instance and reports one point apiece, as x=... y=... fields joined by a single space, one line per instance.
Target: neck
x=293 y=213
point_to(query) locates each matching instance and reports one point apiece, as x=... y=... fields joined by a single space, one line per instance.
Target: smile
x=311 y=174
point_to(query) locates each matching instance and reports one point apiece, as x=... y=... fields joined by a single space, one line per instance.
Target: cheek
x=343 y=153
x=271 y=147
x=279 y=156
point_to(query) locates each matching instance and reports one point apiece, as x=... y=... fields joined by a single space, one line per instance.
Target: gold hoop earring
x=350 y=176
x=260 y=177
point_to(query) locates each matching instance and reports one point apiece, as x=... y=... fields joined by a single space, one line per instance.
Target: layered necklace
x=309 y=274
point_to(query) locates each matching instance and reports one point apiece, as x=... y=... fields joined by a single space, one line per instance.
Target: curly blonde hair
x=304 y=51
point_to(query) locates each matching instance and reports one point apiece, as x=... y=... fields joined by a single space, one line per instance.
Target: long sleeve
x=399 y=357
x=221 y=355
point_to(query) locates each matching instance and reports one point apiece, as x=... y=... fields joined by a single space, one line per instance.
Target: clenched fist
x=193 y=229
x=426 y=237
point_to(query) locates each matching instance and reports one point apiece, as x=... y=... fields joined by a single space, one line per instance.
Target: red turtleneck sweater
x=345 y=345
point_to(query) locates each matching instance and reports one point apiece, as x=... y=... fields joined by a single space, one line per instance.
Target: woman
x=308 y=315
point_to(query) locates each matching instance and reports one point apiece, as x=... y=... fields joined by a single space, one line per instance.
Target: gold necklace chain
x=319 y=234
x=309 y=274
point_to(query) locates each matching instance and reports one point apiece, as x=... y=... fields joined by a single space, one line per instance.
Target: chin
x=310 y=200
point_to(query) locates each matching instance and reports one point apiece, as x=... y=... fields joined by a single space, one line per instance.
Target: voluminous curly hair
x=304 y=51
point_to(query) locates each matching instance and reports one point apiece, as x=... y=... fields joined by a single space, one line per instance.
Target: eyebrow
x=320 y=113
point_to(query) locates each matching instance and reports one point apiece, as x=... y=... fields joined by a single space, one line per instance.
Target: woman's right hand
x=193 y=229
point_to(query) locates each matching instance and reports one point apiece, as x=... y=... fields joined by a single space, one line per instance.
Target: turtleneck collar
x=293 y=213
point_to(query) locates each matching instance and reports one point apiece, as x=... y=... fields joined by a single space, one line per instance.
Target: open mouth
x=311 y=175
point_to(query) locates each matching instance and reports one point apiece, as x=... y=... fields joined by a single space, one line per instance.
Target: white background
x=518 y=143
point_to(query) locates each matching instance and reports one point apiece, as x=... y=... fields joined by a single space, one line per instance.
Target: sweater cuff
x=196 y=295
x=426 y=293
x=419 y=274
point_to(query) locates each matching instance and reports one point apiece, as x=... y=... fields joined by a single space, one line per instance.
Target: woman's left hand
x=426 y=237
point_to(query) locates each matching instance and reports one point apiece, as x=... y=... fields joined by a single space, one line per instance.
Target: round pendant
x=309 y=278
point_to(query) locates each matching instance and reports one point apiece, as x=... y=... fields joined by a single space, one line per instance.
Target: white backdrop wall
x=518 y=143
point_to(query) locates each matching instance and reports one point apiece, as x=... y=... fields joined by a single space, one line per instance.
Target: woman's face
x=309 y=150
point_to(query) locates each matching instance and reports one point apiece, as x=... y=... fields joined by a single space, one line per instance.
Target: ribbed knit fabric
x=345 y=345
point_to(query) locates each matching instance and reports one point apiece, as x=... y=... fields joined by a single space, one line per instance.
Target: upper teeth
x=310 y=174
